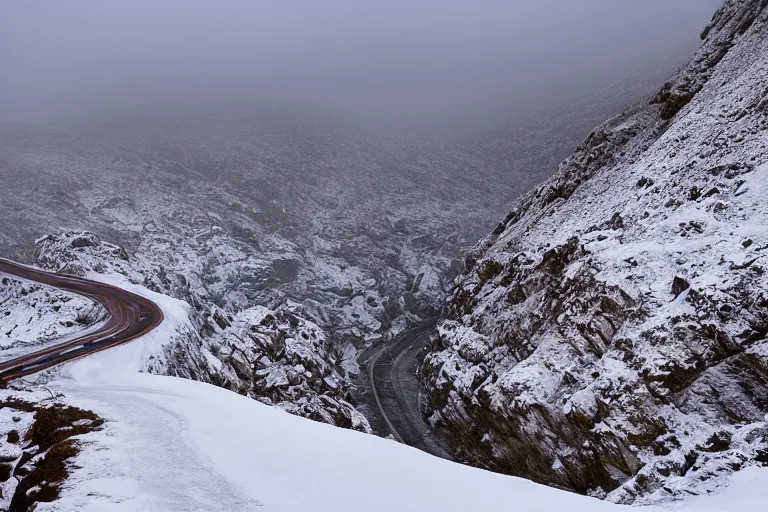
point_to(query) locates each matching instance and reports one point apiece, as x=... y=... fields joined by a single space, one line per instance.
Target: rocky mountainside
x=611 y=335
x=295 y=240
x=272 y=356
x=365 y=230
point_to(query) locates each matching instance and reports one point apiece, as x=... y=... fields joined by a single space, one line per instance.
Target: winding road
x=393 y=401
x=392 y=369
x=129 y=317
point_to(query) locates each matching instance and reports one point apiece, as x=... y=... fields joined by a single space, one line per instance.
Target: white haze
x=425 y=63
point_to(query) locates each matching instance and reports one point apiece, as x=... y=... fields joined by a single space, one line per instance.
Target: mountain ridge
x=588 y=341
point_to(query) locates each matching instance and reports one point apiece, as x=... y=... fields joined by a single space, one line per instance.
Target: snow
x=747 y=492
x=179 y=445
x=193 y=446
x=132 y=357
x=20 y=421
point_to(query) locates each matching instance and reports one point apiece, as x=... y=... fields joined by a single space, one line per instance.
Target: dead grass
x=55 y=424
x=51 y=436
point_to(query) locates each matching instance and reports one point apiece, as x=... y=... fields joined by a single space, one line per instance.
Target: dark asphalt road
x=391 y=383
x=391 y=396
x=129 y=317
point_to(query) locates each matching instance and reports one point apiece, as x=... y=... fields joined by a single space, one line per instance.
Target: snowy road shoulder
x=183 y=445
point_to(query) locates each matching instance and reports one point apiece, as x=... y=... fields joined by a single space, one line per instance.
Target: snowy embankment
x=33 y=316
x=178 y=445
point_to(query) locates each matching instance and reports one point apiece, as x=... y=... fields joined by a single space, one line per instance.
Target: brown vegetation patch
x=49 y=444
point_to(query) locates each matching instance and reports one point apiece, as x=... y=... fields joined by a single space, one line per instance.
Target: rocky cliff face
x=610 y=335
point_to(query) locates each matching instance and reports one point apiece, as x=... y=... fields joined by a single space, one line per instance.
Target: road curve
x=129 y=317
x=395 y=391
x=372 y=378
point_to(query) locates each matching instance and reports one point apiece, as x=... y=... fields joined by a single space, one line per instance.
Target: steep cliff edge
x=610 y=335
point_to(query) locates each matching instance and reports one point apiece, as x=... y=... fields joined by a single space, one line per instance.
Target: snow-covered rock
x=610 y=335
x=33 y=315
x=286 y=361
x=273 y=356
x=40 y=434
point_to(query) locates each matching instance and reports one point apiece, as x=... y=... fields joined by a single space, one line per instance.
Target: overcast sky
x=425 y=61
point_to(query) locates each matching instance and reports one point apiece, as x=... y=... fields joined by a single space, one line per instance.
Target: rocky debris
x=609 y=336
x=80 y=252
x=679 y=285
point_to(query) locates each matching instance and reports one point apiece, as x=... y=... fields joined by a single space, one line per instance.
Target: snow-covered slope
x=32 y=316
x=178 y=445
x=610 y=335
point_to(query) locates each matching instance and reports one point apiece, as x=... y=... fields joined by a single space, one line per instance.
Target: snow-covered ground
x=179 y=445
x=171 y=444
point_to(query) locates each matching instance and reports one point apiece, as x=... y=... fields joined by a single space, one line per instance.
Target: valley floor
x=388 y=391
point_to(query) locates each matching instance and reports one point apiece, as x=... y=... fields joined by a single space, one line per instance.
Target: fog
x=424 y=63
x=310 y=149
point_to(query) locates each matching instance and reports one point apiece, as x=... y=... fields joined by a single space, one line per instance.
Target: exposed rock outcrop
x=287 y=361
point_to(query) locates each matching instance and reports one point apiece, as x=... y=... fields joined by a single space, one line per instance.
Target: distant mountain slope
x=366 y=229
x=610 y=335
